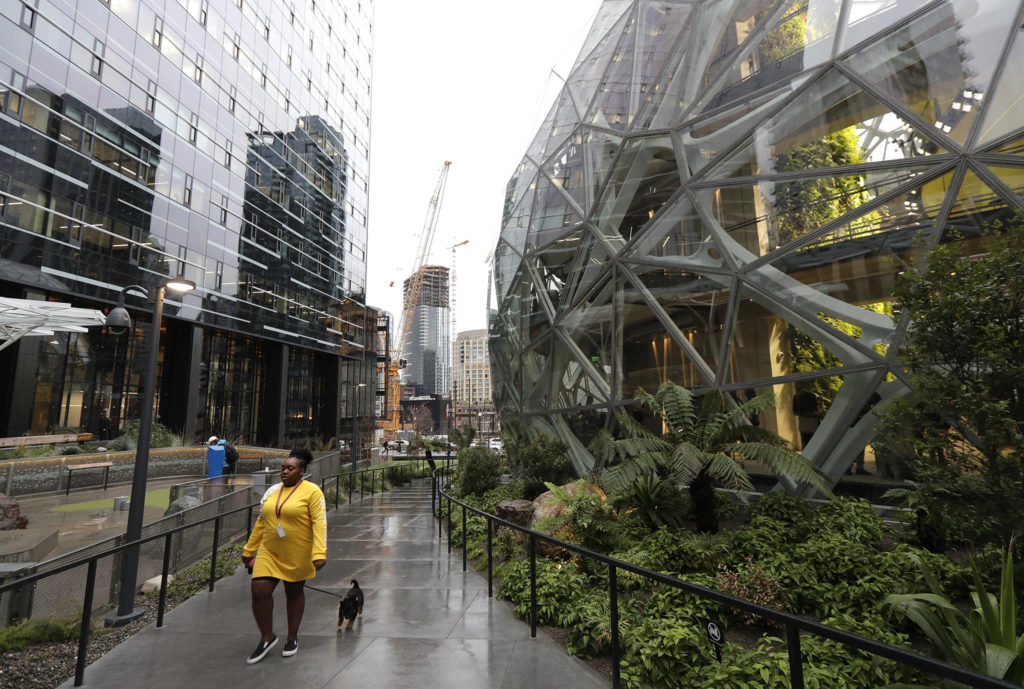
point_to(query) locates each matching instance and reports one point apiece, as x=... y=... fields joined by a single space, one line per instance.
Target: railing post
x=465 y=539
x=433 y=493
x=83 y=634
x=533 y=586
x=449 y=526
x=337 y=490
x=351 y=482
x=373 y=479
x=796 y=667
x=248 y=520
x=490 y=569
x=213 y=555
x=163 y=579
x=613 y=596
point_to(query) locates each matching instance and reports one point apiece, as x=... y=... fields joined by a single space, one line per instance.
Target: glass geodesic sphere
x=723 y=195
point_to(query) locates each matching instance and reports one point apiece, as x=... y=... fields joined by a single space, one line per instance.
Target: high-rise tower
x=427 y=353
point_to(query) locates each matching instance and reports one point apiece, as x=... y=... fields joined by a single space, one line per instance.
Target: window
x=193 y=128
x=187 y=196
x=158 y=31
x=150 y=96
x=227 y=153
x=204 y=11
x=197 y=70
x=231 y=98
x=96 y=65
x=28 y=17
x=235 y=49
x=263 y=75
x=223 y=215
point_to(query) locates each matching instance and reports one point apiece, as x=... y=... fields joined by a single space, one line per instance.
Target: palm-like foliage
x=985 y=641
x=701 y=448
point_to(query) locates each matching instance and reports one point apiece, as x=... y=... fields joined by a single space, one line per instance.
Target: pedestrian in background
x=289 y=544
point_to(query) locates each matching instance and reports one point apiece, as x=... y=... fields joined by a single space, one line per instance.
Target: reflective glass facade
x=223 y=140
x=724 y=193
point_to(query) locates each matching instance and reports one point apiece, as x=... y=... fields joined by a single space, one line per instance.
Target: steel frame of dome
x=723 y=194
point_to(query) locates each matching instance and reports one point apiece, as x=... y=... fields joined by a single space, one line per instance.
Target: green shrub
x=31 y=632
x=589 y=519
x=159 y=436
x=477 y=471
x=657 y=502
x=542 y=461
x=71 y=450
x=782 y=508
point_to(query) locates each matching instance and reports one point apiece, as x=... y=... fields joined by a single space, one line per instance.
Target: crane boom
x=412 y=295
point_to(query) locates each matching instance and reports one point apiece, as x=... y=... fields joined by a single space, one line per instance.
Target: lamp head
x=180 y=285
x=118 y=320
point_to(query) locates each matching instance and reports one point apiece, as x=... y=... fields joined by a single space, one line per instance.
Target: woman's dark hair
x=303 y=455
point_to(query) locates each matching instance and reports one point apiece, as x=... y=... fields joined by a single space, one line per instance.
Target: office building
x=225 y=141
x=724 y=193
x=427 y=350
x=471 y=382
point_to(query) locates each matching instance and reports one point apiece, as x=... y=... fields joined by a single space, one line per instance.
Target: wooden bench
x=55 y=439
x=91 y=465
x=253 y=455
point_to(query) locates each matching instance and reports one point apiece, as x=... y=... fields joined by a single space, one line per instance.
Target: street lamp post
x=355 y=439
x=119 y=321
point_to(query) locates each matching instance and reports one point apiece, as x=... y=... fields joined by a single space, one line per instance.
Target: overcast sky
x=465 y=81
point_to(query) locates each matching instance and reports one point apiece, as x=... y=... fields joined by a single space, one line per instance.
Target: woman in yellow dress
x=289 y=544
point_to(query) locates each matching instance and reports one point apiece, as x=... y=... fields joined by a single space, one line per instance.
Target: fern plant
x=699 y=448
x=985 y=641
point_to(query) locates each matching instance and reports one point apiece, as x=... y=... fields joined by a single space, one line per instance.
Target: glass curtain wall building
x=223 y=140
x=428 y=350
x=724 y=193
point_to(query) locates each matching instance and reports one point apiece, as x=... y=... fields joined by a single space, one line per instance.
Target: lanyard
x=279 y=505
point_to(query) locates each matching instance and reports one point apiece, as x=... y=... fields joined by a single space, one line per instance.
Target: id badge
x=280 y=531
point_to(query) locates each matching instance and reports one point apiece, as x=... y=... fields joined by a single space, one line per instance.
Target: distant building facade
x=471 y=374
x=427 y=352
x=226 y=142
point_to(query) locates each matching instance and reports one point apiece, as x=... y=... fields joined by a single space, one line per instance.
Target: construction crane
x=454 y=334
x=412 y=297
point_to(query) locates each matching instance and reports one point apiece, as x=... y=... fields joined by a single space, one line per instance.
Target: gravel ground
x=46 y=666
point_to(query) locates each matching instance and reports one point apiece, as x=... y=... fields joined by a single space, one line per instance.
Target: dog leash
x=329 y=593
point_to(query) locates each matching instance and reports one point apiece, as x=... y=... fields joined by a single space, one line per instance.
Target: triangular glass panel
x=590 y=265
x=536 y=366
x=608 y=15
x=1010 y=175
x=720 y=34
x=650 y=354
x=553 y=214
x=1013 y=147
x=643 y=179
x=1002 y=112
x=661 y=100
x=763 y=215
x=858 y=262
x=704 y=141
x=768 y=341
x=677 y=233
x=870 y=18
x=847 y=126
x=602 y=150
x=517 y=222
x=611 y=106
x=506 y=264
x=553 y=263
x=587 y=75
x=585 y=424
x=977 y=210
x=517 y=186
x=566 y=119
x=697 y=304
x=566 y=170
x=539 y=144
x=589 y=325
x=572 y=380
x=800 y=37
x=939 y=66
x=660 y=24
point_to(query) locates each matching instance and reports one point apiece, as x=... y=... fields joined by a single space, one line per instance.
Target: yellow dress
x=303 y=518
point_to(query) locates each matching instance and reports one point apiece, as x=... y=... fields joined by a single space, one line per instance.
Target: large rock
x=186 y=502
x=547 y=507
x=516 y=511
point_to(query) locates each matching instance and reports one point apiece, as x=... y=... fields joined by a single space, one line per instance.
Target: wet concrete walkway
x=426 y=623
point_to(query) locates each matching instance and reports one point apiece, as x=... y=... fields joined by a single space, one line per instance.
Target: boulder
x=186 y=502
x=516 y=511
x=545 y=507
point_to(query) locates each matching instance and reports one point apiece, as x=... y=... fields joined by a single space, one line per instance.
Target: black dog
x=351 y=605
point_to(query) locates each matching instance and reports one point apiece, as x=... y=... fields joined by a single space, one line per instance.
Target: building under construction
x=427 y=355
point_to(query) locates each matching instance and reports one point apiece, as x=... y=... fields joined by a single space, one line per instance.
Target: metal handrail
x=92 y=561
x=793 y=624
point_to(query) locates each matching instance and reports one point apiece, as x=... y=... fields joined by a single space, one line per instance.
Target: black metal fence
x=100 y=564
x=793 y=625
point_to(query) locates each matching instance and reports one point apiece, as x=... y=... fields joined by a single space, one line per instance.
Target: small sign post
x=716 y=636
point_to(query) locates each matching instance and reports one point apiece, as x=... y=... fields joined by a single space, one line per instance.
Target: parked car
x=496 y=444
